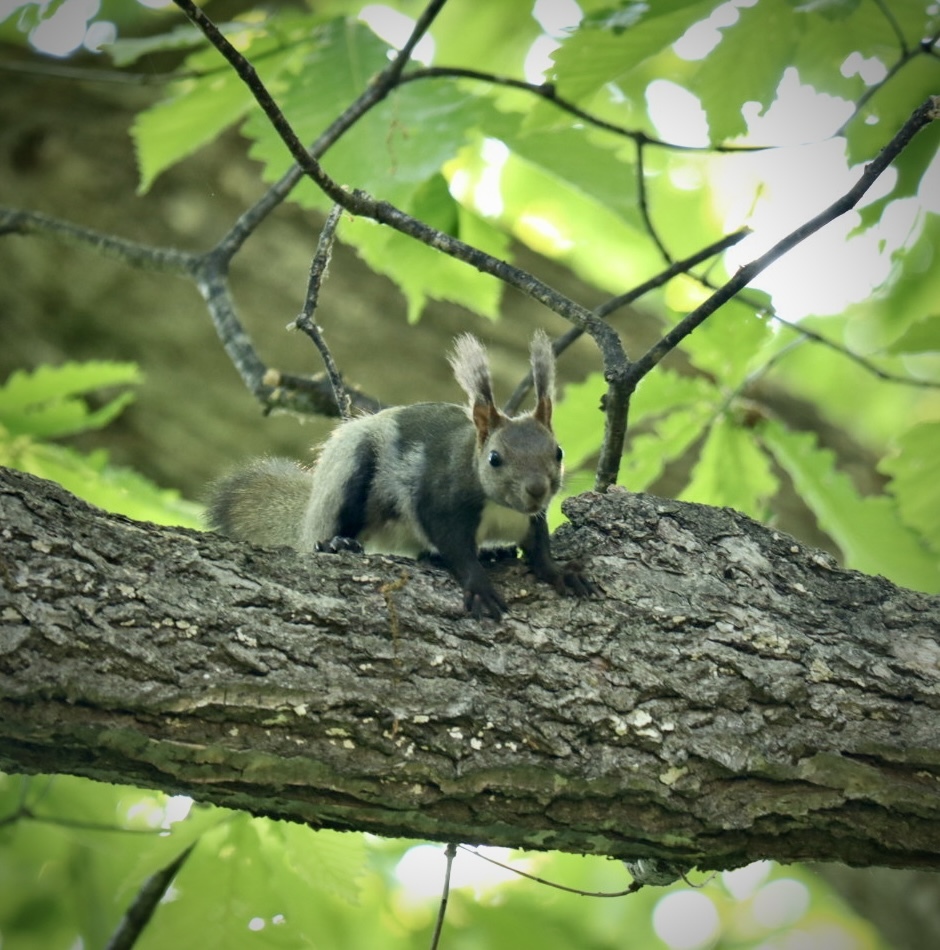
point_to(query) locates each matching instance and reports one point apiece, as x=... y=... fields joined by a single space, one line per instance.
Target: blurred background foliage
x=719 y=115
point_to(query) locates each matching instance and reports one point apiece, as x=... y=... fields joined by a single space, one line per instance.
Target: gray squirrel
x=409 y=479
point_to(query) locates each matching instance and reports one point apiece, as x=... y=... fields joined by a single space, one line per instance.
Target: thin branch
x=674 y=269
x=142 y=909
x=625 y=299
x=548 y=92
x=393 y=73
x=52 y=70
x=616 y=364
x=312 y=395
x=146 y=257
x=273 y=389
x=893 y=23
x=305 y=321
x=921 y=117
x=616 y=405
x=866 y=364
x=907 y=55
x=643 y=202
x=449 y=853
x=376 y=92
x=212 y=283
x=360 y=203
x=814 y=336
x=632 y=889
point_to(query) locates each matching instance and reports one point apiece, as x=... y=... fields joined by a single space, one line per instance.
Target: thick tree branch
x=732 y=695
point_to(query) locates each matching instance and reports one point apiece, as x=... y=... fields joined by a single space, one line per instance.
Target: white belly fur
x=500 y=523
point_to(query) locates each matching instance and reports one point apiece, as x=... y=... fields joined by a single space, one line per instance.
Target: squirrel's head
x=519 y=461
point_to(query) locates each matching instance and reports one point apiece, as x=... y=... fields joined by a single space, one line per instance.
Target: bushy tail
x=263 y=503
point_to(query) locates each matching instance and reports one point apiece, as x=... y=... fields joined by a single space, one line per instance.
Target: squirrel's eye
x=559 y=455
x=495 y=459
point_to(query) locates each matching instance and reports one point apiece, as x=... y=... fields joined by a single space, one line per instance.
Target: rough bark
x=732 y=695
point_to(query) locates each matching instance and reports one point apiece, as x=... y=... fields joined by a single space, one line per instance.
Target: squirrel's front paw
x=569 y=579
x=484 y=601
x=337 y=544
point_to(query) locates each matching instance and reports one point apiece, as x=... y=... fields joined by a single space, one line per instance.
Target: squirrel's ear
x=487 y=419
x=543 y=376
x=472 y=371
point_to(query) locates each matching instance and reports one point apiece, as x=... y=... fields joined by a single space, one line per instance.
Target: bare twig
x=53 y=70
x=907 y=55
x=147 y=257
x=305 y=321
x=632 y=889
x=921 y=117
x=623 y=300
x=643 y=203
x=358 y=202
x=449 y=853
x=893 y=23
x=393 y=73
x=548 y=92
x=375 y=93
x=868 y=365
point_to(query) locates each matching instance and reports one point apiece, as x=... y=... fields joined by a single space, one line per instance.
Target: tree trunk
x=731 y=695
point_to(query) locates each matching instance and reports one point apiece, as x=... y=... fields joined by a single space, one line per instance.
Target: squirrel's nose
x=537 y=491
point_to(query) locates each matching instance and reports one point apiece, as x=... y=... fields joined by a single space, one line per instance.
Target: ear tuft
x=543 y=376
x=471 y=369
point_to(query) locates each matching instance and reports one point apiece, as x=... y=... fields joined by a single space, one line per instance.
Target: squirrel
x=409 y=479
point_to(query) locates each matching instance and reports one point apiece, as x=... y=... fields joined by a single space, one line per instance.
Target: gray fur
x=261 y=503
x=390 y=515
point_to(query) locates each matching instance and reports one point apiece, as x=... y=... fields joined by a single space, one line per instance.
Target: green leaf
x=729 y=343
x=44 y=403
x=597 y=166
x=327 y=861
x=567 y=223
x=392 y=149
x=49 y=383
x=907 y=298
x=868 y=530
x=648 y=454
x=827 y=36
x=920 y=337
x=913 y=468
x=490 y=34
x=831 y=9
x=260 y=883
x=761 y=45
x=175 y=128
x=125 y=51
x=600 y=51
x=669 y=412
x=422 y=272
x=199 y=109
x=578 y=420
x=120 y=490
x=732 y=471
x=889 y=108
x=664 y=390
